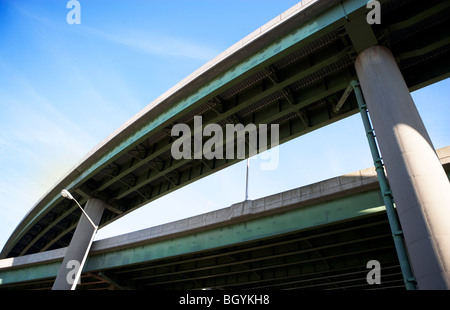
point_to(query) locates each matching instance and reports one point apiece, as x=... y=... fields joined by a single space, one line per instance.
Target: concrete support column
x=419 y=184
x=79 y=245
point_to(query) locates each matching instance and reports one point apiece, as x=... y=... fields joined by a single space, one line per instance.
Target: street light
x=65 y=193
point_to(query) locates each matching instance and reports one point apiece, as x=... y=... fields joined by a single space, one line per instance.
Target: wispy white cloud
x=154 y=43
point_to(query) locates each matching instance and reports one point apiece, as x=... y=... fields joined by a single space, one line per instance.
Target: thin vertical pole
x=246 y=180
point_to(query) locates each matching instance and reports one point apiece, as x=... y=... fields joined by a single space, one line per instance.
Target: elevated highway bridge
x=292 y=72
x=319 y=236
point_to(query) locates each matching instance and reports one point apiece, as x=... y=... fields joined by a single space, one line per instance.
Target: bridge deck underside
x=326 y=257
x=320 y=236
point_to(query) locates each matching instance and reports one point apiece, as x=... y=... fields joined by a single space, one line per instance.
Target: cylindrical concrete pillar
x=419 y=184
x=79 y=245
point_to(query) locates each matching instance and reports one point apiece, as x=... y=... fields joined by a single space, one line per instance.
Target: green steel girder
x=270 y=264
x=298 y=219
x=263 y=261
x=325 y=213
x=236 y=255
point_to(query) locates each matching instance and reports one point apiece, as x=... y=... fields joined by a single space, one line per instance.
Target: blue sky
x=65 y=88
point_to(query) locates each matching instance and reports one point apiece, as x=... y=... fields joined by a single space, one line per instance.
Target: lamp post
x=246 y=180
x=65 y=193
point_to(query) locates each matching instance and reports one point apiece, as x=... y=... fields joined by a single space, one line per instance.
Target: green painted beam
x=303 y=218
x=38 y=272
x=329 y=212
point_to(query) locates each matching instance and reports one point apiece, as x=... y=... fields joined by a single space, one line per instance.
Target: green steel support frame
x=394 y=223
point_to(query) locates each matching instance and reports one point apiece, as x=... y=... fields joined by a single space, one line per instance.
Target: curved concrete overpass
x=291 y=71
